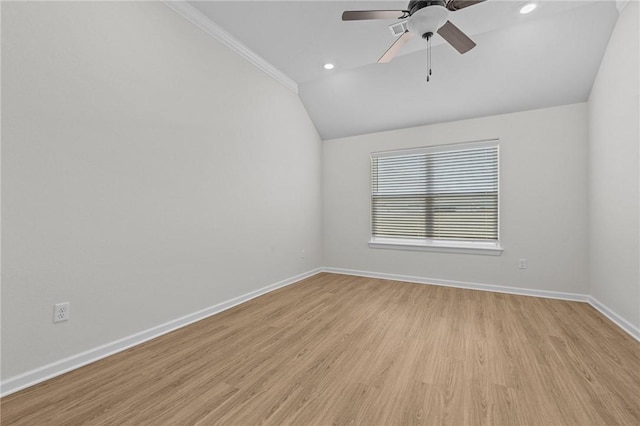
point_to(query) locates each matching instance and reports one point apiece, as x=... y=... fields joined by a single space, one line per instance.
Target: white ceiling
x=546 y=58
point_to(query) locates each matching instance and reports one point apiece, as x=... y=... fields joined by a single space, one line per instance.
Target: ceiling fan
x=424 y=18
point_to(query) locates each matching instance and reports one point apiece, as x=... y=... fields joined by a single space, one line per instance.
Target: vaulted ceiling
x=546 y=58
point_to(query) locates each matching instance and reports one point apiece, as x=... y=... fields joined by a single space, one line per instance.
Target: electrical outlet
x=61 y=311
x=522 y=263
x=302 y=254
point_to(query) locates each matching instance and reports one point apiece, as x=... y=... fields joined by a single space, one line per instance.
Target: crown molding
x=621 y=4
x=200 y=20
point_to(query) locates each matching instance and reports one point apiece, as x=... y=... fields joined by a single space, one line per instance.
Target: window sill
x=490 y=249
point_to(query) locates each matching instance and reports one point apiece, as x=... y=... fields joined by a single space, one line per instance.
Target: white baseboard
x=625 y=325
x=38 y=375
x=462 y=284
x=631 y=329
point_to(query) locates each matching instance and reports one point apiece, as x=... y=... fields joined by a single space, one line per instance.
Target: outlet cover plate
x=61 y=311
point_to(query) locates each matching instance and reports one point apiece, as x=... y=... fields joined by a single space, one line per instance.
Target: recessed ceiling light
x=328 y=66
x=529 y=7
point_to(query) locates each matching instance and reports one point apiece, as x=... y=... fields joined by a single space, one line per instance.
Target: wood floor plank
x=338 y=349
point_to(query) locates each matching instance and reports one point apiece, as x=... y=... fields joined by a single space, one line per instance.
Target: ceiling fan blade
x=395 y=47
x=358 y=15
x=461 y=4
x=456 y=38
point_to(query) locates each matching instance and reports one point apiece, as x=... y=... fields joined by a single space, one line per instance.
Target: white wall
x=614 y=127
x=543 y=202
x=147 y=172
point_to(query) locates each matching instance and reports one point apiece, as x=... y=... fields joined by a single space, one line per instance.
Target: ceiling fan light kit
x=423 y=18
x=428 y=19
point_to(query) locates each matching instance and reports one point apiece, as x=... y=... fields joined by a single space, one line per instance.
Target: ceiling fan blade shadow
x=395 y=47
x=461 y=4
x=456 y=38
x=359 y=15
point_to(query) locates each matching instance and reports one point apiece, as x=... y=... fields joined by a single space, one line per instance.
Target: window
x=436 y=198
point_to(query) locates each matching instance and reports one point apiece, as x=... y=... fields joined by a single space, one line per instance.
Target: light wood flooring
x=337 y=349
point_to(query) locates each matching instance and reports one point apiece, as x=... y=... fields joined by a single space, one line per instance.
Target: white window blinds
x=436 y=193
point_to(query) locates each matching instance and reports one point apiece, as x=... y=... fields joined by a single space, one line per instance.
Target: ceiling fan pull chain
x=430 y=55
x=428 y=60
x=428 y=38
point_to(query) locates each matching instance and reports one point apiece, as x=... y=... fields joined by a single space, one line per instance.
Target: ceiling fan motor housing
x=415 y=5
x=427 y=17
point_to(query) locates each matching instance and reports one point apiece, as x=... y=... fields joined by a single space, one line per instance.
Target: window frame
x=428 y=244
